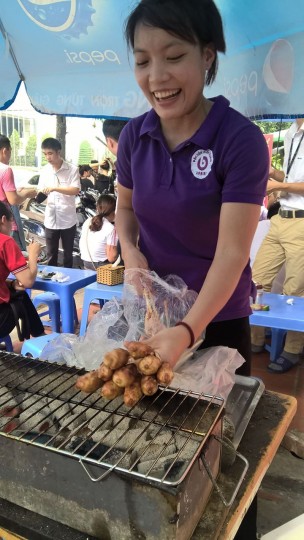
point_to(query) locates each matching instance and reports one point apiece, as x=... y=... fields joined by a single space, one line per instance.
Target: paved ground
x=281 y=496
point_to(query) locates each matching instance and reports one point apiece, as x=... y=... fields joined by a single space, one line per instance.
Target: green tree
x=30 y=151
x=279 y=129
x=271 y=127
x=15 y=144
x=86 y=153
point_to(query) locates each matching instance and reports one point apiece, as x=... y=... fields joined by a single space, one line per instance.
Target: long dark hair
x=105 y=207
x=195 y=21
x=5 y=211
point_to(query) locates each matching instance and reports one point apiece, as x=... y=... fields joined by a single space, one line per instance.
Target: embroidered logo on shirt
x=201 y=163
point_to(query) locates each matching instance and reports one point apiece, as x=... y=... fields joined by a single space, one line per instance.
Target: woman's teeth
x=166 y=94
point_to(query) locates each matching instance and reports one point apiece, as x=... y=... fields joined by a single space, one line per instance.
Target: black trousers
x=7 y=319
x=52 y=237
x=236 y=334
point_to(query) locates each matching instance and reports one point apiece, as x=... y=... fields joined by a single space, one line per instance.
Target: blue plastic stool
x=97 y=291
x=277 y=343
x=8 y=343
x=53 y=302
x=53 y=311
x=33 y=347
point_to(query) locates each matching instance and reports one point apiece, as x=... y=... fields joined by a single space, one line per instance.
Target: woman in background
x=85 y=172
x=98 y=241
x=13 y=291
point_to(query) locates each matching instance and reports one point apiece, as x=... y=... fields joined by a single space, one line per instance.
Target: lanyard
x=291 y=159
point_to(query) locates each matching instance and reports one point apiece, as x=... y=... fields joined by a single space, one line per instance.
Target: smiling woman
x=192 y=176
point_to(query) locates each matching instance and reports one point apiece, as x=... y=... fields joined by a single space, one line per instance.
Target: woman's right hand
x=133 y=258
x=34 y=249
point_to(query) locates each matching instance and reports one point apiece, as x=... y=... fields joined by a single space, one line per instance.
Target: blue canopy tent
x=73 y=59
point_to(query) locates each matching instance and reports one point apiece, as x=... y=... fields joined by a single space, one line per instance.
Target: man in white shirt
x=60 y=181
x=284 y=243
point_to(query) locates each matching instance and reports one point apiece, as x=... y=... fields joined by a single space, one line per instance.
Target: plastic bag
x=148 y=303
x=211 y=371
x=60 y=349
x=152 y=303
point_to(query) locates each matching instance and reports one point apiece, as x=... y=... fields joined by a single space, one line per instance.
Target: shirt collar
x=203 y=137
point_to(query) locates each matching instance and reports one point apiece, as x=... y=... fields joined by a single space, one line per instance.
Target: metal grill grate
x=156 y=440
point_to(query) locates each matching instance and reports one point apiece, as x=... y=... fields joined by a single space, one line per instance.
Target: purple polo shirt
x=177 y=196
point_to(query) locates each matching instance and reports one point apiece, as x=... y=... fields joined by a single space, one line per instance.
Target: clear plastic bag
x=152 y=303
x=148 y=304
x=211 y=371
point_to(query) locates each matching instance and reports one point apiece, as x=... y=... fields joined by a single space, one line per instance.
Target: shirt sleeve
x=8 y=182
x=123 y=163
x=112 y=238
x=75 y=178
x=13 y=257
x=245 y=166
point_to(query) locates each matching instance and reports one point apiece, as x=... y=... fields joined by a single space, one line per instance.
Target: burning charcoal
x=86 y=446
x=7 y=399
x=114 y=404
x=37 y=423
x=110 y=438
x=116 y=456
x=185 y=440
x=72 y=421
x=128 y=439
x=78 y=409
x=35 y=403
x=161 y=437
x=8 y=424
x=160 y=467
x=120 y=422
x=152 y=451
x=102 y=420
x=59 y=409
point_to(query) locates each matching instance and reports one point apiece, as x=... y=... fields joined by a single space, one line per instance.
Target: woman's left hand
x=170 y=343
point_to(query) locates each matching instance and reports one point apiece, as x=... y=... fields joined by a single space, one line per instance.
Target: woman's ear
x=209 y=56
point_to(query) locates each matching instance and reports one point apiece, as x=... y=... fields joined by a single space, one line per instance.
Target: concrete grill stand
x=59 y=475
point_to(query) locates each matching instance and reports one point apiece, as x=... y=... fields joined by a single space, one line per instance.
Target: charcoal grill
x=145 y=477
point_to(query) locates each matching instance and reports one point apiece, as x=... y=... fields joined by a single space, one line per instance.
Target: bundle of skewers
x=132 y=372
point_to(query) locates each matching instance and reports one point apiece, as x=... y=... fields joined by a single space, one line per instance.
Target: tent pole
x=10 y=48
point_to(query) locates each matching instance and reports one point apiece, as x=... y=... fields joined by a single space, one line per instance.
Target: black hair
x=5 y=211
x=107 y=204
x=105 y=165
x=84 y=168
x=195 y=21
x=4 y=142
x=51 y=144
x=113 y=128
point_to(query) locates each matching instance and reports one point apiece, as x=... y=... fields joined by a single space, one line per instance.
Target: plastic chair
x=277 y=343
x=53 y=302
x=8 y=343
x=97 y=291
x=33 y=347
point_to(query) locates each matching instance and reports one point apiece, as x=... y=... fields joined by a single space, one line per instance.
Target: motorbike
x=32 y=218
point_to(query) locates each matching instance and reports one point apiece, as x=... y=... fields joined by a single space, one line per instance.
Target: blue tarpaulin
x=73 y=59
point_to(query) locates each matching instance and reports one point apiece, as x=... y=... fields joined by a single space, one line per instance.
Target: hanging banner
x=73 y=57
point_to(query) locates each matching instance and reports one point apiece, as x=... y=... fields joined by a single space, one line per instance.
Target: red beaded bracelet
x=191 y=333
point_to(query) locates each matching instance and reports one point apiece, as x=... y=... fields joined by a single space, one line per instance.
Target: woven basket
x=109 y=275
